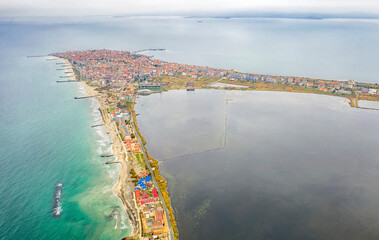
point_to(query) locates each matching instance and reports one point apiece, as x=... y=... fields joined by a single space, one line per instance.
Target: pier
x=60 y=69
x=111 y=162
x=106 y=155
x=66 y=76
x=368 y=108
x=63 y=81
x=37 y=56
x=62 y=63
x=97 y=125
x=150 y=49
x=84 y=97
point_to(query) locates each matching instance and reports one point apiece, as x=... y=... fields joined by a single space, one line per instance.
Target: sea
x=251 y=165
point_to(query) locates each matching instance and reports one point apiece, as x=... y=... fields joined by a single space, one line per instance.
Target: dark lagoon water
x=46 y=136
x=295 y=166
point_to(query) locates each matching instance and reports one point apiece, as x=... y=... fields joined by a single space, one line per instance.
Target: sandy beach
x=123 y=188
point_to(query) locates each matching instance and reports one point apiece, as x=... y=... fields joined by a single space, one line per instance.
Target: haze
x=172 y=7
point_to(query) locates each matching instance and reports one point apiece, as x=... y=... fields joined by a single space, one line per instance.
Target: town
x=124 y=74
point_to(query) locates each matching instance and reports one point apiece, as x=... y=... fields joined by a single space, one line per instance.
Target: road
x=154 y=180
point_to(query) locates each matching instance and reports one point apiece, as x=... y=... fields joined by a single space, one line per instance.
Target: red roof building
x=155 y=194
x=137 y=195
x=147 y=200
x=159 y=213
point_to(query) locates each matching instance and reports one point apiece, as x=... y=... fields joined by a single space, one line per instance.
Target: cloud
x=92 y=7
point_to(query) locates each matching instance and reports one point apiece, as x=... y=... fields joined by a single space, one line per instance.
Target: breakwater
x=83 y=97
x=149 y=49
x=37 y=56
x=64 y=81
x=57 y=206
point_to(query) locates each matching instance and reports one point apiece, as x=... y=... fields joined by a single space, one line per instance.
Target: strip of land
x=137 y=188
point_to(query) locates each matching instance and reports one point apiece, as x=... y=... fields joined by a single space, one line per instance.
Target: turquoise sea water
x=46 y=136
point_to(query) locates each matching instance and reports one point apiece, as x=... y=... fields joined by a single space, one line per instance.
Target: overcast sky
x=92 y=7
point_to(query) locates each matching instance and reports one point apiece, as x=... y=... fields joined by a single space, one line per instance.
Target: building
x=138 y=196
x=152 y=87
x=159 y=213
x=147 y=201
x=124 y=131
x=372 y=91
x=155 y=194
x=157 y=226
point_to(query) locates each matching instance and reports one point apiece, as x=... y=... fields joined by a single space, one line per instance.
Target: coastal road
x=154 y=180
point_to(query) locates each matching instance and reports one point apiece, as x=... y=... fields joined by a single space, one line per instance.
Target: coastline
x=353 y=101
x=121 y=189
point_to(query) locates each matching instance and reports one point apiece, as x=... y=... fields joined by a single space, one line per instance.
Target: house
x=159 y=213
x=146 y=212
x=132 y=145
x=124 y=131
x=157 y=226
x=372 y=91
x=147 y=201
x=309 y=84
x=137 y=195
x=155 y=194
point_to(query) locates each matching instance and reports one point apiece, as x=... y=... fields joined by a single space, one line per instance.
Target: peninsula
x=114 y=78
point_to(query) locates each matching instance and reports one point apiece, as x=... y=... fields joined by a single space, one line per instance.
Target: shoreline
x=352 y=101
x=121 y=188
x=119 y=152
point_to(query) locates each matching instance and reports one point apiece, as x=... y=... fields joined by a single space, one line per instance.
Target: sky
x=181 y=7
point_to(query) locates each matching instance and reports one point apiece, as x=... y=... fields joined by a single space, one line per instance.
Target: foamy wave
x=109 y=149
x=115 y=216
x=123 y=224
x=102 y=142
x=107 y=189
x=102 y=133
x=112 y=173
x=99 y=151
x=81 y=88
